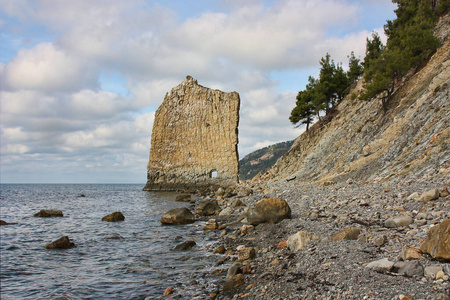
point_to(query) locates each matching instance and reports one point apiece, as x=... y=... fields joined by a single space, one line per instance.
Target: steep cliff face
x=362 y=142
x=194 y=139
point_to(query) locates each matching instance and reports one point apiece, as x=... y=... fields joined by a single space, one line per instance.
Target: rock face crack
x=194 y=139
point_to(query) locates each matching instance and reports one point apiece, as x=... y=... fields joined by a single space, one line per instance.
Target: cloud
x=57 y=119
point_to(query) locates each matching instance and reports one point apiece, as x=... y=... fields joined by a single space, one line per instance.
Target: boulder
x=413 y=268
x=437 y=243
x=47 y=213
x=233 y=270
x=208 y=208
x=246 y=253
x=299 y=240
x=62 y=243
x=211 y=225
x=114 y=217
x=270 y=210
x=429 y=195
x=3 y=222
x=220 y=250
x=349 y=233
x=244 y=191
x=185 y=246
x=432 y=271
x=398 y=221
x=177 y=216
x=183 y=198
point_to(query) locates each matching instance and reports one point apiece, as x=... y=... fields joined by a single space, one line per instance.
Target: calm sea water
x=138 y=265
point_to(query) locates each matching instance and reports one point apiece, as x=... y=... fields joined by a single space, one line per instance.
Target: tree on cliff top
x=410 y=42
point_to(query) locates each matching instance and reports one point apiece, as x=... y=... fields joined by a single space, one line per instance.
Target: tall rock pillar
x=194 y=139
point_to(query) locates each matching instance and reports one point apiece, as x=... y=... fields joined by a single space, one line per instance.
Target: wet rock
x=185 y=246
x=299 y=240
x=211 y=225
x=234 y=282
x=208 y=208
x=170 y=290
x=62 y=243
x=114 y=217
x=429 y=195
x=47 y=213
x=398 y=221
x=183 y=198
x=177 y=216
x=233 y=270
x=382 y=265
x=220 y=250
x=413 y=268
x=349 y=233
x=246 y=253
x=3 y=222
x=270 y=210
x=437 y=243
x=410 y=253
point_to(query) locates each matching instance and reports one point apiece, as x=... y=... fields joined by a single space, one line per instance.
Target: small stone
x=382 y=265
x=114 y=217
x=398 y=221
x=233 y=270
x=421 y=216
x=226 y=211
x=219 y=250
x=282 y=244
x=250 y=286
x=48 y=213
x=379 y=240
x=169 y=291
x=429 y=195
x=410 y=253
x=413 y=268
x=431 y=271
x=234 y=282
x=441 y=275
x=413 y=196
x=62 y=243
x=403 y=297
x=444 y=192
x=246 y=269
x=211 y=225
x=246 y=229
x=349 y=233
x=275 y=262
x=246 y=253
x=183 y=198
x=185 y=246
x=299 y=240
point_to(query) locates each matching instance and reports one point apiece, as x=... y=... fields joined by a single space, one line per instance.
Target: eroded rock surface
x=194 y=139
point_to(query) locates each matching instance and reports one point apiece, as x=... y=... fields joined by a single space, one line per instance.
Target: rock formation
x=412 y=137
x=194 y=139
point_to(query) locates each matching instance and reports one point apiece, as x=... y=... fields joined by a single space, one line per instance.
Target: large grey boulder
x=177 y=216
x=268 y=210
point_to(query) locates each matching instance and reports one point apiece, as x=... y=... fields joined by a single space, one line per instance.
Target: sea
x=132 y=259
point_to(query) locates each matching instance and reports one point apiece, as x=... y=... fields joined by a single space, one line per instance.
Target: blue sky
x=81 y=80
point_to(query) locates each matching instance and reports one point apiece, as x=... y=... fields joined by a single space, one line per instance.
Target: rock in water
x=114 y=217
x=183 y=198
x=437 y=243
x=208 y=208
x=47 y=213
x=270 y=210
x=3 y=222
x=185 y=246
x=194 y=139
x=234 y=282
x=177 y=216
x=62 y=243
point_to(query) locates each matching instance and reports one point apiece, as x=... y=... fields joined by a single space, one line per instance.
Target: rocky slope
x=259 y=161
x=362 y=142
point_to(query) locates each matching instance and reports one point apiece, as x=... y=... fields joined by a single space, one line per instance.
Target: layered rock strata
x=194 y=139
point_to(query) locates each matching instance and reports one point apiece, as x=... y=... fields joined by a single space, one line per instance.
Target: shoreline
x=324 y=268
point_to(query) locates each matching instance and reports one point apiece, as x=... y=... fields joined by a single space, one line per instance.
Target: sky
x=81 y=80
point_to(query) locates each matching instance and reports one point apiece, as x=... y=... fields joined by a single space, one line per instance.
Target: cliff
x=364 y=143
x=194 y=139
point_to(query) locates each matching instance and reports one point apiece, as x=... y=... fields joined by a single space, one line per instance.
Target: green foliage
x=410 y=42
x=355 y=69
x=323 y=93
